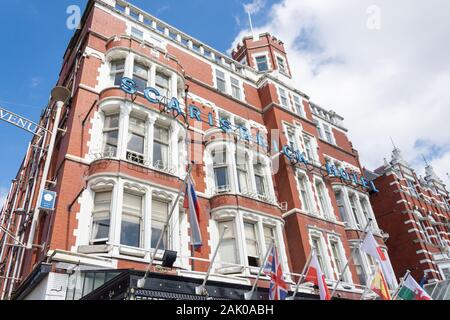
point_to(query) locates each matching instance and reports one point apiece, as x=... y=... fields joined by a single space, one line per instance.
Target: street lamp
x=59 y=95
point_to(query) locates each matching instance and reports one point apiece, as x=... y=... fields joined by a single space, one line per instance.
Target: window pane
x=160 y=155
x=161 y=134
x=136 y=143
x=228 y=250
x=130 y=234
x=221 y=175
x=262 y=63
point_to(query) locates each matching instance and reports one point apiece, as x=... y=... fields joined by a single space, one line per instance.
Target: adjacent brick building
x=415 y=212
x=260 y=146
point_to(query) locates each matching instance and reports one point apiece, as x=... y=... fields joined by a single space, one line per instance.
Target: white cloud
x=381 y=64
x=254 y=7
x=3 y=195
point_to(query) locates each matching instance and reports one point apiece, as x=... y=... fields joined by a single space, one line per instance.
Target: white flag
x=371 y=247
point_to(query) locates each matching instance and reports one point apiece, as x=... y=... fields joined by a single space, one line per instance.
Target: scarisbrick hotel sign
x=295 y=156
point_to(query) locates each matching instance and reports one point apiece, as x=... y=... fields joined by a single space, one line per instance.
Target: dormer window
x=261 y=63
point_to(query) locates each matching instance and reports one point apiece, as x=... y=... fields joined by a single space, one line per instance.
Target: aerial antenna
x=426 y=161
x=250 y=22
x=393 y=143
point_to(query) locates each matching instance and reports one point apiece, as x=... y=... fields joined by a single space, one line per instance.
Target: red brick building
x=415 y=212
x=120 y=160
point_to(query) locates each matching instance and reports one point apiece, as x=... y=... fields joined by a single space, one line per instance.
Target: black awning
x=173 y=287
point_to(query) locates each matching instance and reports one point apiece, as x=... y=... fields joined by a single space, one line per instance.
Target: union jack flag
x=278 y=288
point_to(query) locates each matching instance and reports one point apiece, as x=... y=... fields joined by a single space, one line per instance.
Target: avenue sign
x=21 y=122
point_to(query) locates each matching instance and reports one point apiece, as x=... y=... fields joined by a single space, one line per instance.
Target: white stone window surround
x=231 y=149
x=309 y=191
x=238 y=217
x=260 y=54
x=327 y=212
x=228 y=86
x=342 y=256
x=314 y=146
x=177 y=133
x=288 y=98
x=346 y=193
x=279 y=56
x=323 y=247
x=178 y=226
x=321 y=123
x=176 y=81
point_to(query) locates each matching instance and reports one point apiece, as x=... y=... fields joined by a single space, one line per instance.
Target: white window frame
x=308 y=190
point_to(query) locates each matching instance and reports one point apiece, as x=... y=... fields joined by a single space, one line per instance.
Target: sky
x=383 y=65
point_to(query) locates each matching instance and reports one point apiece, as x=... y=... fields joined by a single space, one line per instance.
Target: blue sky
x=34 y=38
x=387 y=81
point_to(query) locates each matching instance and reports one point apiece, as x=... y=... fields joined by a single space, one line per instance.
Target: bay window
x=343 y=214
x=359 y=266
x=355 y=210
x=140 y=75
x=228 y=248
x=252 y=246
x=269 y=236
x=242 y=172
x=117 y=71
x=111 y=135
x=160 y=212
x=132 y=227
x=365 y=210
x=260 y=179
x=160 y=147
x=101 y=218
x=136 y=140
x=162 y=83
x=220 y=169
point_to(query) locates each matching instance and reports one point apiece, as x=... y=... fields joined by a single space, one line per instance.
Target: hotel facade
x=147 y=101
x=415 y=211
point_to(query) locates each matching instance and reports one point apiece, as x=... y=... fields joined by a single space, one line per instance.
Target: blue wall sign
x=297 y=156
x=173 y=105
x=48 y=200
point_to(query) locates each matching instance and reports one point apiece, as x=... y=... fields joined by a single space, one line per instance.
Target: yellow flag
x=379 y=286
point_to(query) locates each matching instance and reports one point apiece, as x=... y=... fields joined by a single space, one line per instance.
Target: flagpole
x=302 y=275
x=201 y=290
x=141 y=282
x=400 y=286
x=249 y=295
x=350 y=259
